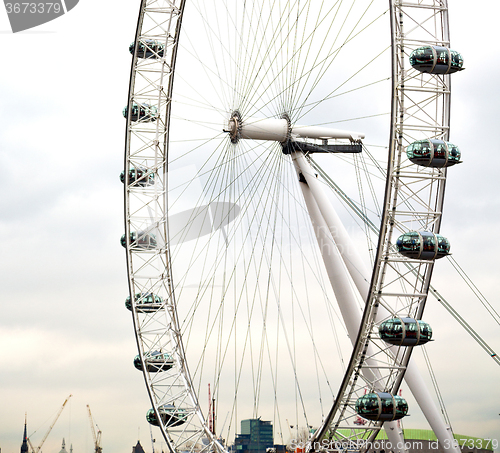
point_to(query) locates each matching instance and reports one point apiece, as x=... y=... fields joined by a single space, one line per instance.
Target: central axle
x=281 y=130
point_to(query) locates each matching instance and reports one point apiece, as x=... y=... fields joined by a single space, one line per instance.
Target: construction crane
x=37 y=449
x=97 y=438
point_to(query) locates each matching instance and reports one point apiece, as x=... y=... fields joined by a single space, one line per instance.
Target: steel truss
x=157 y=329
x=413 y=201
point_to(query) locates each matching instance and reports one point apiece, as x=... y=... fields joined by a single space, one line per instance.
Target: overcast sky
x=64 y=329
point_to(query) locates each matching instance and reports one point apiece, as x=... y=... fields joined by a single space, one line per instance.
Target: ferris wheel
x=245 y=270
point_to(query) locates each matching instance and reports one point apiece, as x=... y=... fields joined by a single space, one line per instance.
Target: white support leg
x=334 y=265
x=424 y=399
x=276 y=130
x=342 y=287
x=355 y=265
x=360 y=275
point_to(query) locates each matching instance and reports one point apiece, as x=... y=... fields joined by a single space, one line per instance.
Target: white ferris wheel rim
x=158 y=208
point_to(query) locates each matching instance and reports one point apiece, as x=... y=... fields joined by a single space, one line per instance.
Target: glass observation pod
x=140 y=240
x=146 y=303
x=381 y=406
x=405 y=332
x=433 y=153
x=138 y=176
x=148 y=48
x=141 y=112
x=156 y=361
x=423 y=245
x=436 y=60
x=169 y=415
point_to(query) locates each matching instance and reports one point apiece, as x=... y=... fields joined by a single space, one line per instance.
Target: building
x=256 y=436
x=63 y=447
x=24 y=446
x=138 y=448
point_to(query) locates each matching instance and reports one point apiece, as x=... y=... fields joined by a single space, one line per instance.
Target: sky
x=64 y=329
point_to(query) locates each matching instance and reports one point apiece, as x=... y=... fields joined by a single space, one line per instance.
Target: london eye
x=251 y=126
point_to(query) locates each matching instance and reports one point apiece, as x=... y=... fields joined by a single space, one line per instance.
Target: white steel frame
x=414 y=201
x=149 y=272
x=399 y=286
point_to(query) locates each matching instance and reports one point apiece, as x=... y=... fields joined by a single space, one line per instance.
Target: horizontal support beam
x=292 y=146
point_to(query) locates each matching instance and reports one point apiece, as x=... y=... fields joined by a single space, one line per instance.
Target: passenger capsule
x=140 y=240
x=405 y=332
x=141 y=112
x=156 y=361
x=145 y=302
x=436 y=60
x=423 y=245
x=169 y=415
x=138 y=176
x=148 y=48
x=433 y=153
x=381 y=406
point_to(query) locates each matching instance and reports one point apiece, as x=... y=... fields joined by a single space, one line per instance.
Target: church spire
x=63 y=449
x=24 y=446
